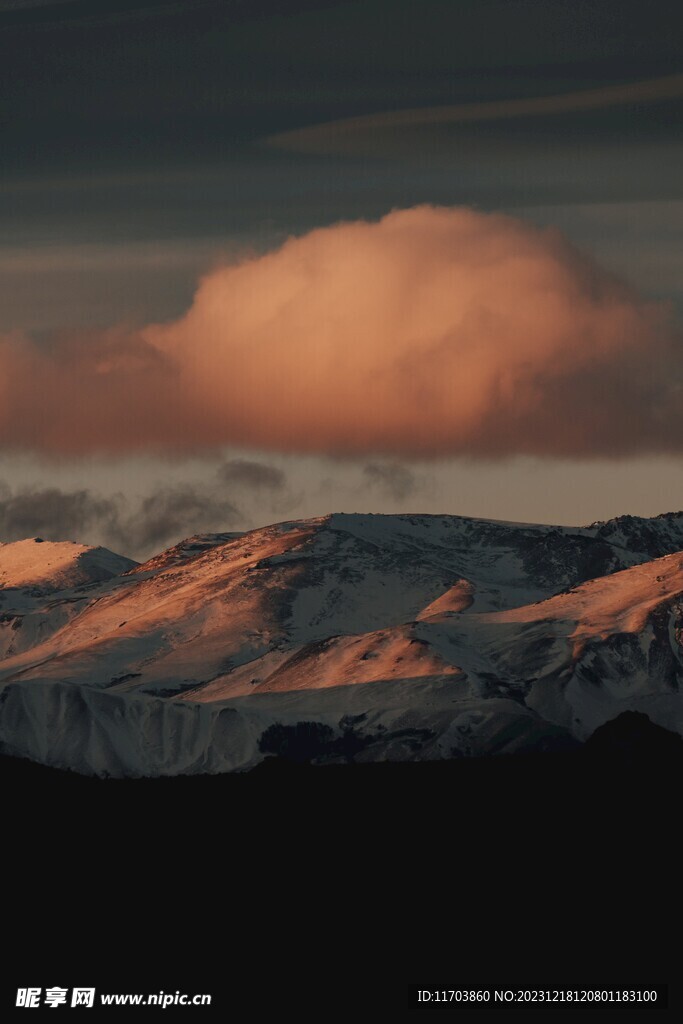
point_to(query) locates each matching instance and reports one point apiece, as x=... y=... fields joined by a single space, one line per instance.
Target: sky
x=262 y=261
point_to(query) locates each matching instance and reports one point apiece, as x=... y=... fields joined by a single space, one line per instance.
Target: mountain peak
x=57 y=565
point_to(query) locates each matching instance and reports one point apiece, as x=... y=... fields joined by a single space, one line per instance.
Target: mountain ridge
x=402 y=637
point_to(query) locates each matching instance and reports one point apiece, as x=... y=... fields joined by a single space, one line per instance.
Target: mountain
x=47 y=566
x=347 y=637
x=44 y=584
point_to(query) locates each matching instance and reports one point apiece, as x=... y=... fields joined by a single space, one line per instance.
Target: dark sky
x=146 y=118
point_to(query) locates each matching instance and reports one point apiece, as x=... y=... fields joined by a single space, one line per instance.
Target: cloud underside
x=432 y=332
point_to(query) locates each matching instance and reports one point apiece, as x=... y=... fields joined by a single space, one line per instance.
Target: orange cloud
x=431 y=332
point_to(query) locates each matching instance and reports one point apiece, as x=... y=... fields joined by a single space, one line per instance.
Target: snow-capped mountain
x=44 y=584
x=47 y=566
x=349 y=636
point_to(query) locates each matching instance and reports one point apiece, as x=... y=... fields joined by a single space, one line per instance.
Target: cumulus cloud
x=391 y=479
x=432 y=332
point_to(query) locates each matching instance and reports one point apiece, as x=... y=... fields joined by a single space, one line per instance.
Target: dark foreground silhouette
x=336 y=887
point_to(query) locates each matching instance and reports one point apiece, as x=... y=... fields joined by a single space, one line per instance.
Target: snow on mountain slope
x=185 y=551
x=112 y=734
x=611 y=643
x=400 y=636
x=44 y=585
x=182 y=622
x=394 y=653
x=652 y=537
x=456 y=599
x=52 y=566
x=621 y=603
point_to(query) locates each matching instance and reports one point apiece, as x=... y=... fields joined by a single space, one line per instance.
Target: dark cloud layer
x=176 y=512
x=139 y=529
x=391 y=479
x=244 y=473
x=57 y=515
x=153 y=128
